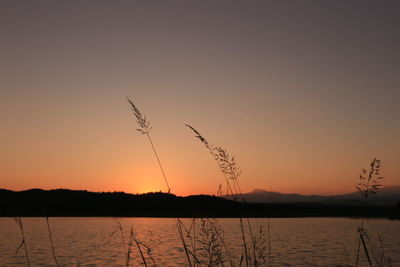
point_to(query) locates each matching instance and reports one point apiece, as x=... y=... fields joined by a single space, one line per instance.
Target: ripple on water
x=295 y=242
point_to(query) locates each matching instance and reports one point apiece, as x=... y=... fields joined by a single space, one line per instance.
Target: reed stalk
x=269 y=228
x=51 y=241
x=145 y=128
x=132 y=239
x=368 y=185
x=182 y=237
x=141 y=252
x=120 y=230
x=18 y=220
x=231 y=172
x=129 y=250
x=211 y=245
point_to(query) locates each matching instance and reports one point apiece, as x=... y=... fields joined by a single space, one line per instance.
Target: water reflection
x=91 y=242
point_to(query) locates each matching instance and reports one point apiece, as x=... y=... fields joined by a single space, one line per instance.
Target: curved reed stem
x=51 y=241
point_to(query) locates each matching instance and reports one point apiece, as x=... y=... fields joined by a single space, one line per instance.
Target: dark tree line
x=63 y=202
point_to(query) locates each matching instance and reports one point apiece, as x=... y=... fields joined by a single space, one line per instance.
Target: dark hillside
x=64 y=202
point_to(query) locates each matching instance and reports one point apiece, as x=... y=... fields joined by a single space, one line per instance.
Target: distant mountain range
x=389 y=195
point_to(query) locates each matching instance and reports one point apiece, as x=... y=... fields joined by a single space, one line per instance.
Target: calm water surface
x=90 y=242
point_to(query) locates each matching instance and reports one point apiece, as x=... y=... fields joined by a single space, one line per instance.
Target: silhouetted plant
x=269 y=228
x=231 y=172
x=260 y=247
x=129 y=250
x=222 y=159
x=369 y=181
x=211 y=245
x=18 y=220
x=120 y=230
x=142 y=247
x=189 y=248
x=139 y=246
x=145 y=128
x=208 y=247
x=369 y=185
x=51 y=241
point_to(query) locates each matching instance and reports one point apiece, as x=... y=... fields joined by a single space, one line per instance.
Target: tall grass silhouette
x=369 y=184
x=51 y=241
x=18 y=220
x=254 y=253
x=121 y=231
x=145 y=128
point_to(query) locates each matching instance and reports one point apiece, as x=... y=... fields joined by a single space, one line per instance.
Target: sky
x=303 y=93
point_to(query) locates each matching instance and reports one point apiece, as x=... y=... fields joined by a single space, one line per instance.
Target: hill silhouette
x=82 y=203
x=387 y=196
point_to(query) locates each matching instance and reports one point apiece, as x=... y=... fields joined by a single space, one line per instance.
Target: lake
x=91 y=242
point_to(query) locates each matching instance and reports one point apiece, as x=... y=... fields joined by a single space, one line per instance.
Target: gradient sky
x=304 y=93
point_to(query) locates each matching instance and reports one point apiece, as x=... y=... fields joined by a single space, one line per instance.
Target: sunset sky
x=303 y=93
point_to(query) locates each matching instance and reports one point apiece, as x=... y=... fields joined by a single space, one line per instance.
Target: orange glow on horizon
x=294 y=94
